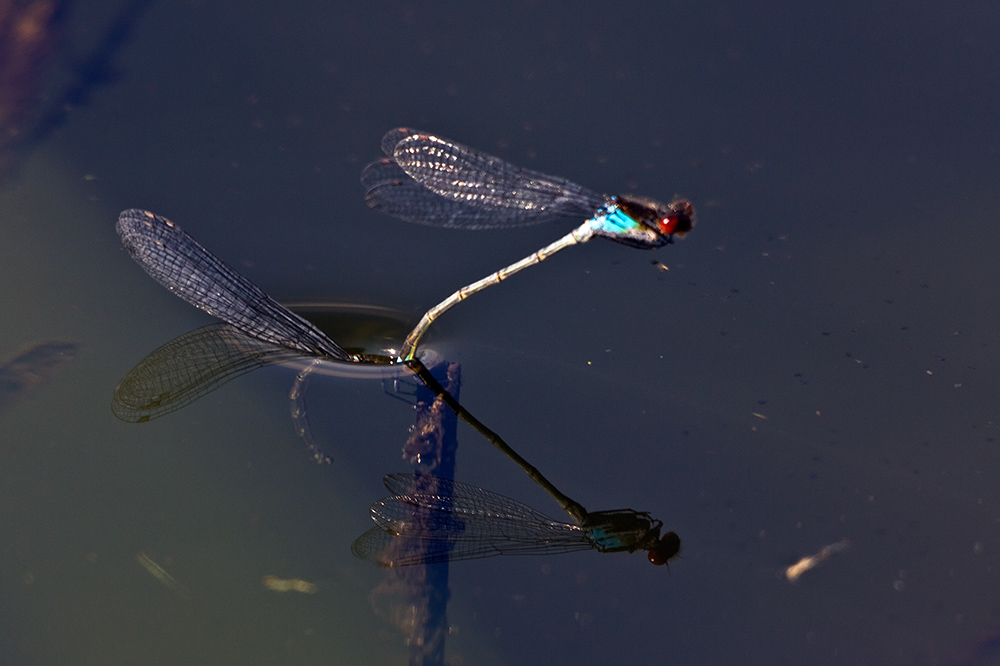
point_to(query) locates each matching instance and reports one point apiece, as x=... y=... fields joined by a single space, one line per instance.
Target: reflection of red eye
x=656 y=558
x=665 y=548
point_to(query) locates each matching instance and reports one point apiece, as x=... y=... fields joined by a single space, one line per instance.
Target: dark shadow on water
x=31 y=47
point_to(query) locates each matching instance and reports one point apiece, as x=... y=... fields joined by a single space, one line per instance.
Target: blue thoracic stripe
x=614 y=220
x=605 y=540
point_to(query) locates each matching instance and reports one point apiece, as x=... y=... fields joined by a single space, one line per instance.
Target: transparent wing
x=389 y=190
x=182 y=265
x=433 y=181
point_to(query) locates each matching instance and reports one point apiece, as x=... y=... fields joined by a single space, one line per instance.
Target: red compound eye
x=668 y=224
x=680 y=221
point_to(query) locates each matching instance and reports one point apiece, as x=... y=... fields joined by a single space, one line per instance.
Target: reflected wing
x=439 y=494
x=189 y=367
x=435 y=520
x=385 y=550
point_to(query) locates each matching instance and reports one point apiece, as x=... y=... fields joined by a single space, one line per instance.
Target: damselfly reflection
x=197 y=363
x=457 y=521
x=429 y=180
x=433 y=515
x=189 y=367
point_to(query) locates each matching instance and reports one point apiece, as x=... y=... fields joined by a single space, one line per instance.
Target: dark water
x=820 y=362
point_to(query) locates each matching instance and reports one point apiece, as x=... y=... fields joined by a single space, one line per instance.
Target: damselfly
x=429 y=180
x=457 y=521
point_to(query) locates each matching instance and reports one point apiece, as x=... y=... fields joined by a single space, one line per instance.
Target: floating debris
x=806 y=563
x=32 y=368
x=276 y=584
x=160 y=574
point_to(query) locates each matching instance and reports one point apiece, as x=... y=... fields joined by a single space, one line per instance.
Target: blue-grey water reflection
x=816 y=361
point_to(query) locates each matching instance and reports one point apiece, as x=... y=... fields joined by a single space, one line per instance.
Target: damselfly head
x=678 y=219
x=665 y=549
x=675 y=218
